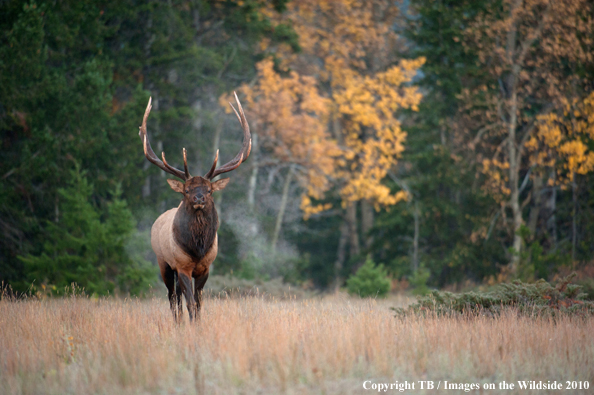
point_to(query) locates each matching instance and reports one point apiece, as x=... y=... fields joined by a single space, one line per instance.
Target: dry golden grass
x=250 y=345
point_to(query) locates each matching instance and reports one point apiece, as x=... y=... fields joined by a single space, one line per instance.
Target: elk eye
x=187 y=191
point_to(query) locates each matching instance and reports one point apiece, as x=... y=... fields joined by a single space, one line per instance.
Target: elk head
x=197 y=191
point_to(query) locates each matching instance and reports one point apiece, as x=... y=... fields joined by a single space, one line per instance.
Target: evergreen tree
x=75 y=77
x=87 y=245
x=370 y=280
x=437 y=227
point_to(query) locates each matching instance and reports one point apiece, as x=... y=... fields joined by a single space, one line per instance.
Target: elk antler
x=213 y=172
x=244 y=152
x=150 y=154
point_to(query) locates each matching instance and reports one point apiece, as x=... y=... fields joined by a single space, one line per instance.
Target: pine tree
x=371 y=280
x=87 y=246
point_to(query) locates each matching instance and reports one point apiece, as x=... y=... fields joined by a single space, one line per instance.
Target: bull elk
x=185 y=238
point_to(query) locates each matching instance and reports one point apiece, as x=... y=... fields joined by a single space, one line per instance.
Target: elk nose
x=199 y=199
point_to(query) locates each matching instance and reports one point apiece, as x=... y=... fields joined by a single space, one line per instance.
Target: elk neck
x=195 y=230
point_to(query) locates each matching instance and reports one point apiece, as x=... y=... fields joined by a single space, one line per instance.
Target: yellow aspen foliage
x=291 y=117
x=334 y=110
x=373 y=137
x=562 y=140
x=519 y=119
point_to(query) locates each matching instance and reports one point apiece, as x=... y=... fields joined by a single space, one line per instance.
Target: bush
x=535 y=262
x=540 y=298
x=229 y=286
x=587 y=285
x=419 y=281
x=370 y=280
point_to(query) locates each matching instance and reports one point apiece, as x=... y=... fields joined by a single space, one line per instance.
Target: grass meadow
x=257 y=345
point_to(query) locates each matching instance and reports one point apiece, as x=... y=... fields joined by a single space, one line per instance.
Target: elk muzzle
x=198 y=201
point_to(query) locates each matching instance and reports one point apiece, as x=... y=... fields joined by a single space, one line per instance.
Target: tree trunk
x=340 y=254
x=537 y=200
x=514 y=175
x=551 y=208
x=367 y=223
x=57 y=209
x=149 y=38
x=351 y=216
x=146 y=187
x=282 y=208
x=415 y=260
x=574 y=217
x=510 y=95
x=251 y=198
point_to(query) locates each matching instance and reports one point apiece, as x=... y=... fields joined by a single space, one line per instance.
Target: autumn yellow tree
x=562 y=142
x=289 y=121
x=350 y=48
x=562 y=138
x=355 y=85
x=529 y=51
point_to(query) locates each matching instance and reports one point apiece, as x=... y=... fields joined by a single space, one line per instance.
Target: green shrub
x=370 y=280
x=419 y=281
x=535 y=262
x=587 y=285
x=540 y=298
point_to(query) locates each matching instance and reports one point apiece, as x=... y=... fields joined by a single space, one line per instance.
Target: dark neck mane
x=195 y=230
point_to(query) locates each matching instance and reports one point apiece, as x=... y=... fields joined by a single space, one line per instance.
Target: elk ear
x=177 y=186
x=220 y=184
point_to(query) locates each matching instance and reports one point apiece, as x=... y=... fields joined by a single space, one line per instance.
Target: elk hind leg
x=198 y=286
x=185 y=281
x=178 y=295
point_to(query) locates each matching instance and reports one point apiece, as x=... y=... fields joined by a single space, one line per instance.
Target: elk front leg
x=186 y=286
x=168 y=275
x=198 y=286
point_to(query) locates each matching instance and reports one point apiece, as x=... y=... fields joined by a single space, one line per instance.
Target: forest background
x=450 y=141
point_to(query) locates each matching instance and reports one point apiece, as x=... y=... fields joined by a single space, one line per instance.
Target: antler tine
x=171 y=169
x=188 y=176
x=248 y=131
x=244 y=124
x=245 y=150
x=148 y=150
x=210 y=173
x=232 y=165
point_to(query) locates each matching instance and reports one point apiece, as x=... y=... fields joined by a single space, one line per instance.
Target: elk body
x=185 y=238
